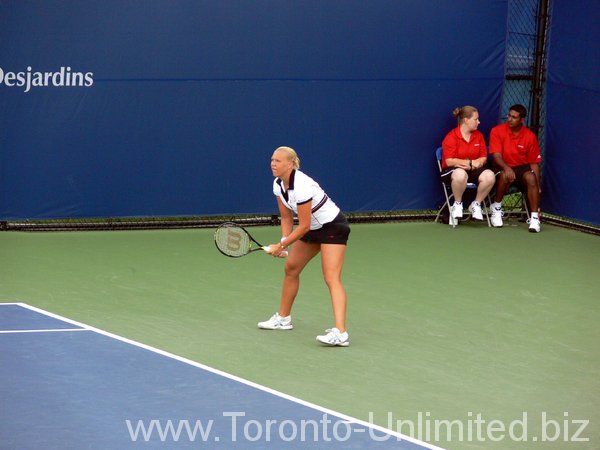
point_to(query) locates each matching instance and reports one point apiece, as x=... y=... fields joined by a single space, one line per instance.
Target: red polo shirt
x=455 y=146
x=516 y=149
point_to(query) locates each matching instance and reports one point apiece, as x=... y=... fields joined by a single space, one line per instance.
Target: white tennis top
x=304 y=189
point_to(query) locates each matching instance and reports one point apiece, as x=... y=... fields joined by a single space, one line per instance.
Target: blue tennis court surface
x=65 y=385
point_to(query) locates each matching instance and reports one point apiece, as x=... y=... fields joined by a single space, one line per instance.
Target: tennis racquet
x=234 y=241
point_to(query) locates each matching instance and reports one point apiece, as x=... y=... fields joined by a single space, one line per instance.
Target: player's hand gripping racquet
x=234 y=241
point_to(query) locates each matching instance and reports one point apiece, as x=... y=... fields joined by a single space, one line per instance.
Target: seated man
x=464 y=158
x=516 y=152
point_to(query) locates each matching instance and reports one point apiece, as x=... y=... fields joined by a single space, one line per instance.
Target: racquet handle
x=284 y=253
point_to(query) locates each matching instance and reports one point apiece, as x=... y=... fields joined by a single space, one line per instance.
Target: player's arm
x=289 y=234
x=304 y=212
x=287 y=224
x=287 y=218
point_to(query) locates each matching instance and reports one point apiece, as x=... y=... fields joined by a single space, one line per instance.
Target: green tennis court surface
x=465 y=326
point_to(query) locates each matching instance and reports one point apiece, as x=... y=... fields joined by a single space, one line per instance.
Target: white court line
x=52 y=330
x=322 y=409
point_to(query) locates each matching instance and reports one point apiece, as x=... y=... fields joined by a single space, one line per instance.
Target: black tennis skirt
x=334 y=232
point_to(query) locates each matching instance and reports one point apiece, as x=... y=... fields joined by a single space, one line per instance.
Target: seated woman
x=464 y=158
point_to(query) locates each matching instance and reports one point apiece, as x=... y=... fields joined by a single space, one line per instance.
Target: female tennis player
x=321 y=228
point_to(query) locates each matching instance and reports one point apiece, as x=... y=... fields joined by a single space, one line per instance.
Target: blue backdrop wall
x=572 y=162
x=165 y=107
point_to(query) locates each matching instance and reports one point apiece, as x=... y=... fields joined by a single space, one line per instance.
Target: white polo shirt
x=304 y=189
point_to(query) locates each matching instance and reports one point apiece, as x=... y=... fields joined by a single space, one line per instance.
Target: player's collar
x=284 y=192
x=292 y=178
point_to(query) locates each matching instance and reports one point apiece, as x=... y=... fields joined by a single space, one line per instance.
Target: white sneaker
x=496 y=217
x=457 y=210
x=276 y=322
x=334 y=337
x=534 y=225
x=475 y=210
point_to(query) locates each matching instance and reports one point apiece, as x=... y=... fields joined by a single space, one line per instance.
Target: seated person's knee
x=459 y=175
x=530 y=179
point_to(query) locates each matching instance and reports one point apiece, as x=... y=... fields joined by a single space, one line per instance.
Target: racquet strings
x=233 y=241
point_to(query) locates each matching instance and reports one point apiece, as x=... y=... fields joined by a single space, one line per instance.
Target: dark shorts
x=334 y=232
x=473 y=175
x=519 y=172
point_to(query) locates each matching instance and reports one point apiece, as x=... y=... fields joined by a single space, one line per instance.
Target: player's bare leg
x=300 y=254
x=332 y=257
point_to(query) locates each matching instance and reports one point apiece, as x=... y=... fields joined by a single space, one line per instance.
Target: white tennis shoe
x=334 y=337
x=534 y=224
x=496 y=217
x=475 y=210
x=457 y=210
x=276 y=322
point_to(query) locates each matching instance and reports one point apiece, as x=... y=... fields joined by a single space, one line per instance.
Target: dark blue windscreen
x=186 y=101
x=570 y=171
